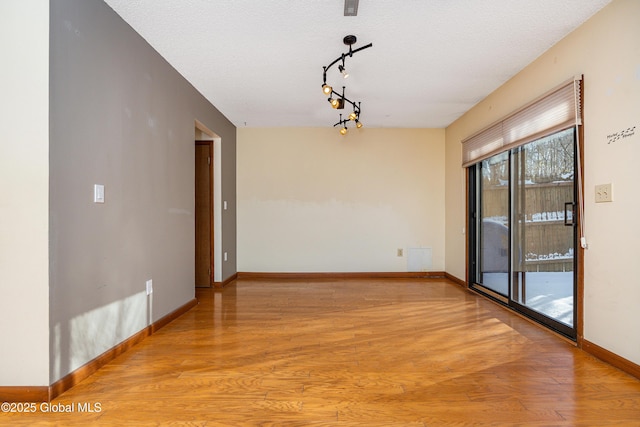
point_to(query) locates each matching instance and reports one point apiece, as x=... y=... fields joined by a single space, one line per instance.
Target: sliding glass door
x=494 y=224
x=523 y=229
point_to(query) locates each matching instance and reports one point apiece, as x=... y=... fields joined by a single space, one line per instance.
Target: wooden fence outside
x=548 y=242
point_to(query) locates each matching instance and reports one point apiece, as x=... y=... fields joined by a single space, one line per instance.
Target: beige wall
x=606 y=49
x=311 y=200
x=24 y=193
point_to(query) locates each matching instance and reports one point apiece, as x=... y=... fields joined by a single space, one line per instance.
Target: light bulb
x=359 y=125
x=343 y=131
x=353 y=116
x=326 y=89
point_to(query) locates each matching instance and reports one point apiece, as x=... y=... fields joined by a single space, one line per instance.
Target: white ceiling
x=260 y=61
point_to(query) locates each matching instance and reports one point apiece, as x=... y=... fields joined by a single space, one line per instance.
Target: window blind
x=554 y=111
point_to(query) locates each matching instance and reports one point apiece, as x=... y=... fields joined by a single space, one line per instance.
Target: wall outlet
x=149 y=287
x=400 y=252
x=604 y=193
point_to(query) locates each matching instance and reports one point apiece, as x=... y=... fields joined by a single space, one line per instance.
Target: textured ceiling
x=260 y=61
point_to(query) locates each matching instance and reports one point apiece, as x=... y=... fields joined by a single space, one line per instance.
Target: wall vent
x=351 y=7
x=419 y=259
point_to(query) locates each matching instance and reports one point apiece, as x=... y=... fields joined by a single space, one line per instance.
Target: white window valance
x=554 y=111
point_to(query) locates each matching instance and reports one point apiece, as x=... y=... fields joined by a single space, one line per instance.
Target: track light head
x=337 y=103
x=343 y=131
x=358 y=124
x=344 y=72
x=353 y=115
x=326 y=89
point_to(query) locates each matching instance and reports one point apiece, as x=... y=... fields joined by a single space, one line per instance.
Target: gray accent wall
x=122 y=117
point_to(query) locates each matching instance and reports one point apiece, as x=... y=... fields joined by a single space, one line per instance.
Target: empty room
x=330 y=213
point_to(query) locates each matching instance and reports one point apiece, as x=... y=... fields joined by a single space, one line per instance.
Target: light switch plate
x=604 y=193
x=98 y=193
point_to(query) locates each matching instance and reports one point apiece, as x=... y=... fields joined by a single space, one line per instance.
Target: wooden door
x=204 y=213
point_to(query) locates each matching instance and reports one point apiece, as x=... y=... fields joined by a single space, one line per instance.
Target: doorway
x=204 y=224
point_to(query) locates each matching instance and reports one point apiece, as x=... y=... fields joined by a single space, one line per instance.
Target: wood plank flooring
x=349 y=353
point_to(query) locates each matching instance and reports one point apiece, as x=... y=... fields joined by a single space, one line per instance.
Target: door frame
x=209 y=144
x=471 y=187
x=202 y=132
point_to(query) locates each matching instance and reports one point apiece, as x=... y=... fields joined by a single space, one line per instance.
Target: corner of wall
x=24 y=192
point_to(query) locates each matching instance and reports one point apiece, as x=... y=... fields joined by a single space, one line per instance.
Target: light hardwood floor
x=350 y=353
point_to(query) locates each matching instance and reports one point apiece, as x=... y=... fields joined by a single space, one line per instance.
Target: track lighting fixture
x=339 y=101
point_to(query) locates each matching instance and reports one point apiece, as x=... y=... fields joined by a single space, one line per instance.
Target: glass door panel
x=494 y=224
x=543 y=232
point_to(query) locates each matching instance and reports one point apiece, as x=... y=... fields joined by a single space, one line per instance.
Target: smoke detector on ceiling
x=351 y=7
